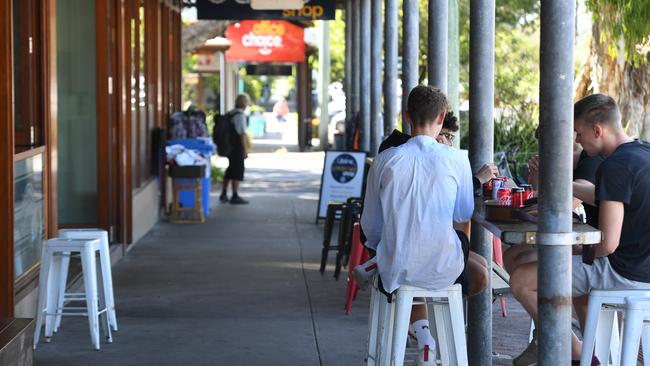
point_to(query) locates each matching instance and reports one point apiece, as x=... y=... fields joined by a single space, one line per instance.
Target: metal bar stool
x=105 y=281
x=50 y=274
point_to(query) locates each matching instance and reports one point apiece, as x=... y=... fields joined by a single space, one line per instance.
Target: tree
x=516 y=85
x=618 y=61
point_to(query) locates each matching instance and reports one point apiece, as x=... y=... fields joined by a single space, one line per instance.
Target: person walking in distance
x=235 y=171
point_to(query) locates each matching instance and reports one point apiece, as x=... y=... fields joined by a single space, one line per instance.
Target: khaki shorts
x=599 y=275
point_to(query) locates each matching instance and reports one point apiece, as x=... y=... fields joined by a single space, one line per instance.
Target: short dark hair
x=425 y=103
x=598 y=108
x=450 y=122
x=242 y=101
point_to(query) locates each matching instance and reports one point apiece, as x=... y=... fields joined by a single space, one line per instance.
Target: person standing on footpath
x=235 y=171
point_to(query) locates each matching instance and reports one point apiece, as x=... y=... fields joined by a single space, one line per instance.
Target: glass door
x=78 y=192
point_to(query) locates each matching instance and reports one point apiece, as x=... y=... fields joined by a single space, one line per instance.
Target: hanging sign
x=207 y=62
x=237 y=9
x=342 y=178
x=266 y=41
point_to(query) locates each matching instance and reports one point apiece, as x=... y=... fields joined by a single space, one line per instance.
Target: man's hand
x=487 y=172
x=533 y=171
x=245 y=154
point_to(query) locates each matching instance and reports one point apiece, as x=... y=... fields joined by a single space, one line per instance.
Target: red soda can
x=518 y=195
x=487 y=189
x=504 y=197
x=529 y=193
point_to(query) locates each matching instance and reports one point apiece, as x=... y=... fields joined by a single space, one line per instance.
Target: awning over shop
x=233 y=10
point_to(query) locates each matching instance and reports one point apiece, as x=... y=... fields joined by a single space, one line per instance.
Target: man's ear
x=598 y=129
x=440 y=119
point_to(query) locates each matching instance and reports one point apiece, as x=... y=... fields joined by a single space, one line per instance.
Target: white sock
x=423 y=334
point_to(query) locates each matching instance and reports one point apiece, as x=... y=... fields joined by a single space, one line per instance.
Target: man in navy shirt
x=622 y=194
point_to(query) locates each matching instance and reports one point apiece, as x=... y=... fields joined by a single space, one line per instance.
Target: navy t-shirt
x=396 y=138
x=586 y=169
x=624 y=176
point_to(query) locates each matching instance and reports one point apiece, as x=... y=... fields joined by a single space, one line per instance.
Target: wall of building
x=127 y=197
x=146 y=203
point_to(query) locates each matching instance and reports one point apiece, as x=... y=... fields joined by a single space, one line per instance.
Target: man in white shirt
x=414 y=194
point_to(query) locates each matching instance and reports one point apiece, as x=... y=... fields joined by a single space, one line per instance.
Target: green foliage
x=216 y=175
x=253 y=86
x=337 y=47
x=624 y=20
x=189 y=91
x=516 y=76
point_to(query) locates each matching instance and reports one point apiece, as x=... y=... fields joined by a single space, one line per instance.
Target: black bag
x=224 y=133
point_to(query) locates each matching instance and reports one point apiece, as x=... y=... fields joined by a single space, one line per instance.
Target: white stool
x=54 y=250
x=601 y=328
x=635 y=323
x=373 y=323
x=393 y=320
x=378 y=320
x=105 y=282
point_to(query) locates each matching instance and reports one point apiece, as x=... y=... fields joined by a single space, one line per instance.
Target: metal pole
x=410 y=54
x=437 y=43
x=555 y=195
x=364 y=97
x=324 y=78
x=356 y=54
x=454 y=63
x=376 y=125
x=355 y=68
x=390 y=67
x=348 y=59
x=481 y=151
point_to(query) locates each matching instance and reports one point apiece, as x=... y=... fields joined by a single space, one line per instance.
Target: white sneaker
x=364 y=272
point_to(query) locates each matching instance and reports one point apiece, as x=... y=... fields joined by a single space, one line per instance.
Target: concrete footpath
x=241 y=289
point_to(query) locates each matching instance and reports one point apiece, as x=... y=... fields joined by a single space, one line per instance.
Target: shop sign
x=342 y=178
x=235 y=9
x=265 y=41
x=207 y=62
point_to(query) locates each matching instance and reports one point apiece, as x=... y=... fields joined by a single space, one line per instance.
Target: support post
x=481 y=151
x=390 y=67
x=355 y=69
x=454 y=64
x=437 y=43
x=555 y=195
x=348 y=59
x=376 y=125
x=410 y=54
x=364 y=97
x=324 y=78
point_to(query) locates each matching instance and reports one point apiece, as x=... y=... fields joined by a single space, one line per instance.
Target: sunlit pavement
x=241 y=289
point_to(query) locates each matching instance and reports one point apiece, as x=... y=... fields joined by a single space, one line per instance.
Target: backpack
x=223 y=133
x=177 y=126
x=195 y=124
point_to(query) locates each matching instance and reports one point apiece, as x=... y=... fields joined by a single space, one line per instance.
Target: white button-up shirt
x=414 y=193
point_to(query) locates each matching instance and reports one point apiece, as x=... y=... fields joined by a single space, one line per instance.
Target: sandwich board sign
x=342 y=178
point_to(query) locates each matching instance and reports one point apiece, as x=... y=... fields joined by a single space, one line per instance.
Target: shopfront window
x=28 y=116
x=29 y=229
